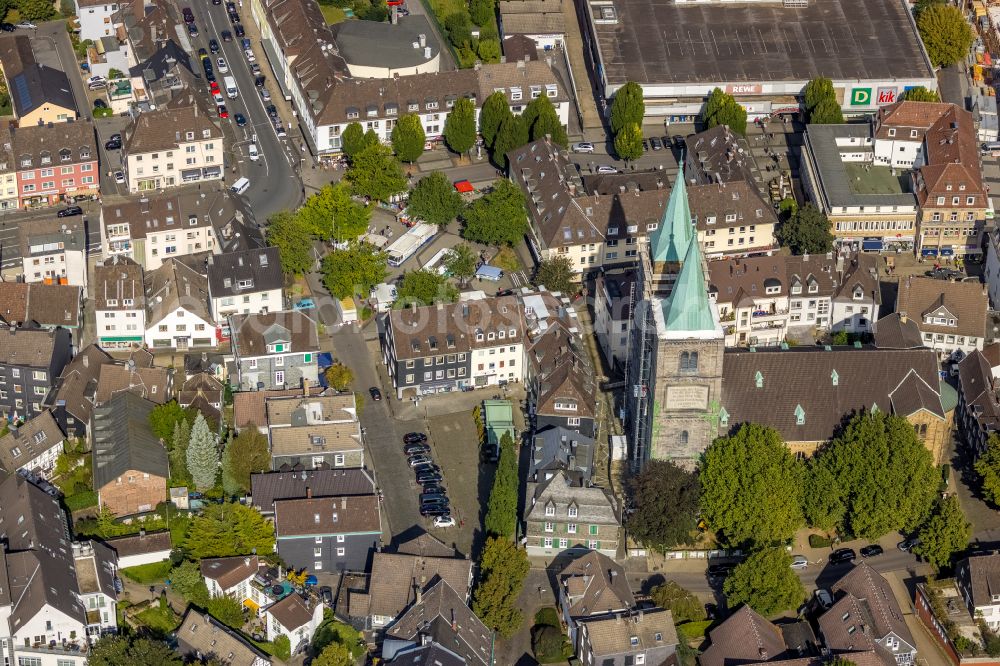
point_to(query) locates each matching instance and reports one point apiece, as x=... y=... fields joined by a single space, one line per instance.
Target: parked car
x=428 y=477
x=325 y=592
x=265 y=94
x=259 y=81
x=214 y=47
x=238 y=29
x=426 y=497
x=842 y=555
x=226 y=36
x=272 y=111
x=97 y=82
x=799 y=562
x=444 y=521
x=429 y=511
x=240 y=119
x=7 y=27
x=872 y=550
x=414 y=438
x=583 y=147
x=113 y=143
x=417 y=450
x=223 y=111
x=26 y=25
x=604 y=168
x=655 y=143
x=203 y=54
x=945 y=274
x=100 y=104
x=907 y=544
x=375 y=394
x=421 y=460
x=223 y=67
x=435 y=501
x=823 y=598
x=720 y=570
x=120 y=177
x=188 y=15
x=192 y=29
x=234 y=17
x=434 y=488
x=70 y=211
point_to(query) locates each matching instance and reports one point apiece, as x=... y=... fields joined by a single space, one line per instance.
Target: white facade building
x=96 y=18
x=54 y=251
x=171 y=147
x=119 y=303
x=177 y=314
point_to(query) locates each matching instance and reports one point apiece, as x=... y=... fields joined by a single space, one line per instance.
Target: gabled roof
x=967 y=301
x=140 y=544
x=172 y=286
x=638 y=632
x=251 y=334
x=897 y=331
x=558 y=446
x=167 y=129
x=327 y=515
x=426 y=545
x=292 y=612
x=745 y=637
x=32 y=85
x=23 y=444
x=268 y=487
x=249 y=407
x=984 y=578
x=136 y=375
x=123 y=440
x=63 y=144
x=28 y=347
x=76 y=387
x=116 y=280
x=245 y=271
x=595 y=584
x=396 y=579
x=871 y=602
x=230 y=571
x=203 y=637
x=45 y=305
x=593 y=504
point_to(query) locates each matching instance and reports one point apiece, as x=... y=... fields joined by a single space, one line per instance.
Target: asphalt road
x=274 y=183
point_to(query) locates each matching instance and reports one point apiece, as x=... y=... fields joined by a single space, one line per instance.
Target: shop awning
x=252 y=605
x=122 y=339
x=464 y=186
x=928 y=252
x=872 y=244
x=947 y=251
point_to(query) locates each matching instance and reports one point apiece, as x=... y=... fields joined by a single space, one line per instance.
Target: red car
x=223 y=113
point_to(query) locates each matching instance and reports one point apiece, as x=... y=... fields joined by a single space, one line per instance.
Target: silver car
x=799 y=562
x=583 y=147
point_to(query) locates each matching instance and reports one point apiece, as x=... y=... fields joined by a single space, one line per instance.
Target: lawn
x=507 y=260
x=691 y=630
x=161 y=620
x=146 y=574
x=332 y=14
x=445 y=8
x=82 y=500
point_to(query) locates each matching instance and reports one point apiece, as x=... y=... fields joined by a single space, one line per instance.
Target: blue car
x=305 y=304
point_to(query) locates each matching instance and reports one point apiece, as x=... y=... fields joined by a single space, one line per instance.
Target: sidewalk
x=928 y=650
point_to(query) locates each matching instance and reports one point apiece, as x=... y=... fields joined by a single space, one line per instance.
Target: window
x=550 y=510
x=279 y=377
x=341 y=552
x=688 y=362
x=550 y=527
x=547 y=542
x=571 y=528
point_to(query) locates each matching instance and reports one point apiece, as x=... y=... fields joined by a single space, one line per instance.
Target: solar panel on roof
x=21 y=88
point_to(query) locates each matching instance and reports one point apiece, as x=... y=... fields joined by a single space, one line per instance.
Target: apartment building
x=732 y=219
x=96 y=18
x=55 y=163
x=899 y=131
x=614 y=296
x=54 y=251
x=317 y=432
x=177 y=315
x=152 y=229
x=275 y=350
x=951 y=316
x=9 y=195
x=245 y=282
x=974 y=577
x=562 y=513
x=32 y=447
x=170 y=147
x=30 y=362
x=328 y=534
x=97 y=577
x=119 y=303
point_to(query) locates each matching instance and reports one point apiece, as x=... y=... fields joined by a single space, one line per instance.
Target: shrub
x=692 y=630
x=819 y=541
x=548 y=644
x=282 y=648
x=547 y=616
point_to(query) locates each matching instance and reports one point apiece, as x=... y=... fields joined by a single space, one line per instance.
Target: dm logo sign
x=861 y=97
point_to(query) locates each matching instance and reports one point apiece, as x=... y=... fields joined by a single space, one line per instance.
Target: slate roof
x=71 y=232
x=123 y=440
x=298 y=410
x=453 y=327
x=136 y=375
x=76 y=387
x=30 y=440
x=426 y=545
x=140 y=544
x=869 y=599
x=167 y=212
x=896 y=331
x=267 y=487
x=967 y=303
x=519 y=47
x=420 y=655
x=594 y=506
x=443 y=615
x=32 y=85
x=739 y=198
x=316 y=439
x=202 y=637
x=617 y=635
x=745 y=637
x=952 y=167
x=229 y=571
x=595 y=584
x=572 y=381
x=249 y=406
x=396 y=577
x=291 y=612
x=176 y=285
x=166 y=129
x=202 y=391
x=805 y=376
x=46 y=305
x=559 y=447
x=327 y=515
x=984 y=578
x=385 y=45
x=73 y=140
x=118 y=278
x=262 y=268
x=31 y=348
x=252 y=333
x=975 y=381
x=717 y=155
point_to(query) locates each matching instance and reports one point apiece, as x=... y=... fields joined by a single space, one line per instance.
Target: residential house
x=294 y=617
x=205 y=393
x=204 y=362
x=978 y=406
x=858 y=298
x=170 y=147
x=614 y=293
x=177 y=315
x=745 y=637
x=71 y=400
x=562 y=513
x=54 y=251
x=155 y=228
x=267 y=488
x=202 y=637
x=30 y=362
x=249 y=407
x=813 y=281
x=141 y=548
x=542 y=21
x=399 y=580
x=32 y=447
x=718 y=155
x=447 y=347
x=977 y=579
x=130 y=463
x=119 y=303
x=951 y=316
x=40 y=94
x=246 y=282
x=45 y=306
x=97 y=577
x=320 y=432
x=137 y=375
x=9 y=193
x=406 y=45
x=565 y=398
x=229 y=576
x=418 y=654
x=274 y=350
x=752 y=296
x=642 y=637
x=592 y=585
x=335 y=534
x=732 y=219
x=96 y=18
x=866 y=615
x=441 y=615
x=55 y=163
x=559 y=448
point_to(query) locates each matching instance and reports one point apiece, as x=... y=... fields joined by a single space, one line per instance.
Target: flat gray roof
x=835 y=174
x=660 y=42
x=373 y=44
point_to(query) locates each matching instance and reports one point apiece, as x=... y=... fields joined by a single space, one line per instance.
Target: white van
x=241 y=186
x=253 y=152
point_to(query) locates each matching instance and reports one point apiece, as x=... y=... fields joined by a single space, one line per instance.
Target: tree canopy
x=683 y=605
x=408 y=138
x=945 y=533
x=224 y=530
x=435 y=200
x=723 y=109
x=460 y=126
x=462 y=262
x=827 y=112
x=501 y=510
x=817 y=90
x=247 y=453
x=542 y=120
x=766 y=582
x=920 y=94
x=353 y=270
x=334 y=654
x=627 y=107
x=423 y=288
x=202 y=455
x=121 y=649
x=498 y=218
x=556 y=274
x=502 y=570
x=666 y=501
x=164 y=418
x=628 y=142
x=339 y=376
x=751 y=488
x=988 y=469
x=294 y=242
x=375 y=173
x=947 y=35
x=513 y=133
x=884 y=476
x=352 y=139
x=806 y=231
x=332 y=214
x=495 y=110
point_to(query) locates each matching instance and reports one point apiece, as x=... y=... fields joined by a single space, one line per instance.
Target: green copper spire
x=687 y=308
x=672 y=237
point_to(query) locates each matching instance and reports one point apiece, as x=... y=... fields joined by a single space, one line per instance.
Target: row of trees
x=408 y=136
x=627 y=111
x=502 y=131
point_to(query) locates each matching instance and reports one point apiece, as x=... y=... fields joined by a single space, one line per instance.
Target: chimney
x=903 y=319
x=454 y=623
x=246 y=561
x=305 y=387
x=86 y=361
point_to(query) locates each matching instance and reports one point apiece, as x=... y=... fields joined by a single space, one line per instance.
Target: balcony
x=767 y=326
x=768 y=313
x=75 y=647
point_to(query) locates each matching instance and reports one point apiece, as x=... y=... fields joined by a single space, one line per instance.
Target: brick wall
x=133 y=493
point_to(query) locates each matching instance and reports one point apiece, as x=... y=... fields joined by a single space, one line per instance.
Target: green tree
x=332 y=214
x=202 y=455
x=628 y=107
x=816 y=91
x=512 y=134
x=666 y=500
x=334 y=654
x=489 y=49
x=502 y=570
x=495 y=110
x=628 y=143
x=885 y=476
x=822 y=500
x=339 y=376
x=459 y=28
x=920 y=94
x=353 y=139
x=723 y=109
x=482 y=12
x=163 y=418
x=226 y=610
x=460 y=126
x=424 y=288
x=122 y=649
x=435 y=200
x=556 y=274
x=249 y=453
x=946 y=34
x=542 y=120
x=683 y=605
x=353 y=270
x=224 y=530
x=988 y=469
x=766 y=582
x=461 y=263
x=408 y=138
x=187 y=581
x=498 y=218
x=230 y=486
x=807 y=231
x=920 y=5
x=787 y=207
x=751 y=487
x=375 y=173
x=827 y=112
x=945 y=533
x=282 y=647
x=294 y=242
x=35 y=10
x=178 y=452
x=501 y=509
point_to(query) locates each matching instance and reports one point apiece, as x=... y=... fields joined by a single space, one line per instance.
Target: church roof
x=687 y=309
x=670 y=241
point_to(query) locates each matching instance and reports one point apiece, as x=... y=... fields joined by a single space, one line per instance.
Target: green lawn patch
x=332 y=631
x=507 y=260
x=547 y=616
x=819 y=541
x=147 y=574
x=692 y=630
x=332 y=14
x=445 y=8
x=160 y=620
x=81 y=500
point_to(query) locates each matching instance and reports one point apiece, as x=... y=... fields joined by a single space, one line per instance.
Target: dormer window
x=391 y=110
x=515 y=93
x=189 y=136
x=892 y=132
x=551 y=90
x=85 y=153
x=550 y=510
x=813 y=287
x=352 y=112
x=449 y=102
x=371 y=111
x=26 y=162
x=65 y=155
x=112 y=302
x=800 y=415
x=46 y=157
x=536 y=92
x=413 y=106
x=758 y=379
x=572 y=512
x=431 y=104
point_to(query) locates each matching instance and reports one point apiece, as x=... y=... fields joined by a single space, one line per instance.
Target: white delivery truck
x=232 y=92
x=407 y=245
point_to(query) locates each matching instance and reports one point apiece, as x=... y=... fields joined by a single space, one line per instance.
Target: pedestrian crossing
x=519 y=279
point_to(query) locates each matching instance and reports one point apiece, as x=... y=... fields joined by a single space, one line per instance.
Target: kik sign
x=886 y=96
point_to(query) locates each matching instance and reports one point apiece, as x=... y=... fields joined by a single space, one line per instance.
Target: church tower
x=674 y=373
